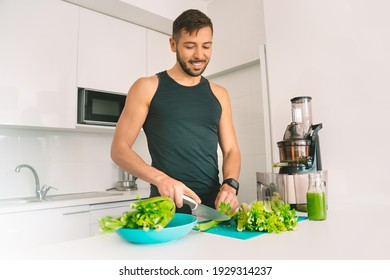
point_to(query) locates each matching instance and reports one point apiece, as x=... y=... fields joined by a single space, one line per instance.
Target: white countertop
x=118 y=196
x=351 y=231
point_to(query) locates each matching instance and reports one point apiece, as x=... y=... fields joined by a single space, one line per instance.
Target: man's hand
x=175 y=189
x=227 y=194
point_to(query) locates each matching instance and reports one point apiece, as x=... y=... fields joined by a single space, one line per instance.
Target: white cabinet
x=33 y=228
x=97 y=211
x=111 y=53
x=159 y=54
x=41 y=227
x=238 y=33
x=38 y=54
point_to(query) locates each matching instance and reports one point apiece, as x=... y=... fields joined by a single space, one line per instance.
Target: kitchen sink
x=79 y=195
x=15 y=201
x=58 y=197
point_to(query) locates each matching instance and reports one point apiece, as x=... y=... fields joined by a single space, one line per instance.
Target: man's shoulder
x=148 y=80
x=217 y=89
x=145 y=84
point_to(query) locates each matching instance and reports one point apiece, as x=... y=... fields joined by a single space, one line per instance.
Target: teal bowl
x=178 y=227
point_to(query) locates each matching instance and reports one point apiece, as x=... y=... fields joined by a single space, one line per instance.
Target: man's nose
x=198 y=53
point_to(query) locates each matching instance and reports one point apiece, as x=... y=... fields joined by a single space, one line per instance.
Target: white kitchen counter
x=351 y=231
x=40 y=205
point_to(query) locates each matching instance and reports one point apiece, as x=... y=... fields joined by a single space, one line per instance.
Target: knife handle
x=190 y=202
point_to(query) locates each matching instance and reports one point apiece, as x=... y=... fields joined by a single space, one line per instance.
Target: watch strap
x=233 y=183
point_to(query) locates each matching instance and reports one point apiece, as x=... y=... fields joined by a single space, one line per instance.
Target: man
x=184 y=117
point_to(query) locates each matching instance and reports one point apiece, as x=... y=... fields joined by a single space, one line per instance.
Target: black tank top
x=182 y=134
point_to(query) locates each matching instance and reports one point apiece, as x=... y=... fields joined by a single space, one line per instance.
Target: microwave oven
x=99 y=107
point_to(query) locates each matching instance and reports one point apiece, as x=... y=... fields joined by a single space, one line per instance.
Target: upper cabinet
x=159 y=54
x=111 y=53
x=50 y=47
x=238 y=33
x=38 y=61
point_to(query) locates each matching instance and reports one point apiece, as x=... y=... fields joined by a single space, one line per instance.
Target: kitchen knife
x=204 y=211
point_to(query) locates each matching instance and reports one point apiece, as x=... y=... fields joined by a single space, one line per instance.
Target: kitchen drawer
x=43 y=227
x=98 y=211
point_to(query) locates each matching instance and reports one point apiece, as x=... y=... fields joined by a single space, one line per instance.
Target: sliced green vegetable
x=207 y=225
x=271 y=216
x=152 y=213
x=223 y=208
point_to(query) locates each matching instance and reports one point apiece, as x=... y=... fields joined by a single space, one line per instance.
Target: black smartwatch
x=233 y=183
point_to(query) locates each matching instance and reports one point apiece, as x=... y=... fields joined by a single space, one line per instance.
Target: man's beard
x=186 y=69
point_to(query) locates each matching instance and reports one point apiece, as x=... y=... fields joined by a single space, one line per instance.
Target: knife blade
x=204 y=211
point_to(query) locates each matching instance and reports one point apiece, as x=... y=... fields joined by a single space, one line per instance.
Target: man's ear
x=173 y=45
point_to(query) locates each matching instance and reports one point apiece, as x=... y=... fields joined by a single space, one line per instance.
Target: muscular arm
x=130 y=123
x=230 y=149
x=128 y=127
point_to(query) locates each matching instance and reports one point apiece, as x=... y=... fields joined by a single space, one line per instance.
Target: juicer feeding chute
x=301 y=123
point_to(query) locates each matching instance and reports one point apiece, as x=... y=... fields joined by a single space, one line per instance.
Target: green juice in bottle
x=316 y=198
x=316 y=206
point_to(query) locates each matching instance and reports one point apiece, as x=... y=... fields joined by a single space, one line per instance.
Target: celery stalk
x=152 y=213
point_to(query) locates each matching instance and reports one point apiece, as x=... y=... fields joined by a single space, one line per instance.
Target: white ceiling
x=156 y=15
x=169 y=9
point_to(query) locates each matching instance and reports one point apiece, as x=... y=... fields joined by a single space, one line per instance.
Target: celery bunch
x=152 y=213
x=270 y=216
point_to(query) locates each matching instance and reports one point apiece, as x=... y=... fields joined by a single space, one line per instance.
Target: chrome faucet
x=40 y=192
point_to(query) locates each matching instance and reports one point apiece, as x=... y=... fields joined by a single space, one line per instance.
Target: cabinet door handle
x=77 y=212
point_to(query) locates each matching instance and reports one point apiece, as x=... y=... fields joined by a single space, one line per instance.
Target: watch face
x=233 y=183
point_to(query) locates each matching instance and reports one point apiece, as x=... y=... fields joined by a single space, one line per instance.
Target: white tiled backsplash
x=77 y=162
x=68 y=161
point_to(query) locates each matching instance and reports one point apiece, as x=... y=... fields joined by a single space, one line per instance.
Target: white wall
x=244 y=87
x=338 y=53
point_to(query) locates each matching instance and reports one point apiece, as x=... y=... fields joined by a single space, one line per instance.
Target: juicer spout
x=315 y=145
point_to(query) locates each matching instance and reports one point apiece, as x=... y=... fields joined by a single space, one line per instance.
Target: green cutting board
x=229 y=229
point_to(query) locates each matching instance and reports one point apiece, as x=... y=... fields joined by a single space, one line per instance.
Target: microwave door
x=101 y=108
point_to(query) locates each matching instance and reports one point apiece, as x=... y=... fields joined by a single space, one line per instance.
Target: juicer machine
x=299 y=153
x=299 y=150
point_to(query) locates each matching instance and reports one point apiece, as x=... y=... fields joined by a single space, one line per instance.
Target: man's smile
x=197 y=62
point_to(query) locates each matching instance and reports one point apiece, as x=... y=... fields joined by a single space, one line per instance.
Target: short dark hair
x=190 y=21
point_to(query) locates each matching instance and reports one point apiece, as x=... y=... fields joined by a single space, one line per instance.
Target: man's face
x=193 y=51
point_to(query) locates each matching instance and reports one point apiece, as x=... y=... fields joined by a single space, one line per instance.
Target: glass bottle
x=316 y=198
